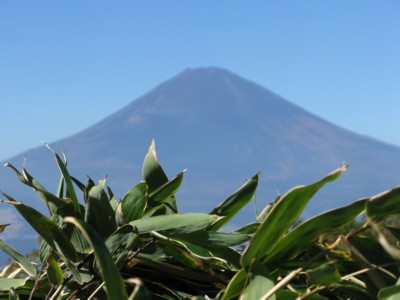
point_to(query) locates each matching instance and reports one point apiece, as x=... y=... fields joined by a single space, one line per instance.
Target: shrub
x=141 y=248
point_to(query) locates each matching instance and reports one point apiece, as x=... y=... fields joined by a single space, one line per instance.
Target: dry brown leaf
x=3 y=227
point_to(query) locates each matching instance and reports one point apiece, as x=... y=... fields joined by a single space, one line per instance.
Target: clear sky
x=65 y=65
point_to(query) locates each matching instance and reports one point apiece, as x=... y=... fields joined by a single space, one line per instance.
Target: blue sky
x=65 y=65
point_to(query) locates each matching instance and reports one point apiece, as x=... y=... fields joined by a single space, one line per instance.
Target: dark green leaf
x=390 y=293
x=235 y=202
x=283 y=214
x=79 y=184
x=384 y=204
x=152 y=172
x=99 y=213
x=167 y=190
x=72 y=268
x=214 y=239
x=46 y=228
x=175 y=224
x=286 y=295
x=120 y=243
x=325 y=274
x=54 y=272
x=108 y=270
x=306 y=233
x=258 y=282
x=79 y=242
x=68 y=181
x=235 y=286
x=155 y=177
x=55 y=204
x=13 y=295
x=133 y=203
x=249 y=228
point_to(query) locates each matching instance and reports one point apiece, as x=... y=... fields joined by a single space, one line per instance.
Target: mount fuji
x=223 y=129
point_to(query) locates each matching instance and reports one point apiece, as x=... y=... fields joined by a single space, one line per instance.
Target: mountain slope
x=223 y=129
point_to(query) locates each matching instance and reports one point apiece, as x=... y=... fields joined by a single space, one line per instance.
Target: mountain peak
x=207 y=92
x=204 y=71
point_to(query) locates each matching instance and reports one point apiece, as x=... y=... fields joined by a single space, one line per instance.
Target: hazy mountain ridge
x=223 y=129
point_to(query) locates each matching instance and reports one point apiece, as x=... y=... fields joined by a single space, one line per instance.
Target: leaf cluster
x=141 y=247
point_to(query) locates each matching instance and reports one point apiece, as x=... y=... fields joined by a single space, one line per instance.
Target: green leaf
x=108 y=270
x=133 y=203
x=99 y=213
x=53 y=202
x=7 y=283
x=168 y=189
x=249 y=228
x=325 y=274
x=28 y=267
x=235 y=202
x=235 y=286
x=230 y=256
x=152 y=172
x=384 y=204
x=79 y=242
x=175 y=224
x=355 y=291
x=306 y=233
x=214 y=239
x=164 y=195
x=390 y=293
x=225 y=256
x=54 y=272
x=19 y=175
x=46 y=228
x=71 y=267
x=79 y=184
x=286 y=295
x=120 y=243
x=68 y=181
x=181 y=254
x=155 y=177
x=13 y=295
x=283 y=214
x=60 y=188
x=258 y=282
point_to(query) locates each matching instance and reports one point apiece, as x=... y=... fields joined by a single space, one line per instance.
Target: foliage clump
x=140 y=247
